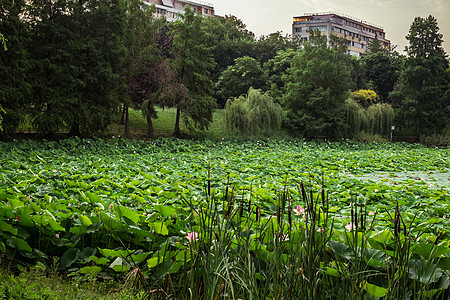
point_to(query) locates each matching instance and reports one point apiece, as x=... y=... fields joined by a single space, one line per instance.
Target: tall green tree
x=352 y=62
x=229 y=39
x=381 y=69
x=238 y=78
x=76 y=46
x=193 y=62
x=268 y=46
x=316 y=91
x=423 y=80
x=276 y=70
x=15 y=90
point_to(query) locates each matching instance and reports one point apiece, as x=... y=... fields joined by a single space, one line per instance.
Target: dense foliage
x=245 y=73
x=15 y=90
x=316 y=92
x=76 y=64
x=376 y=119
x=175 y=216
x=381 y=69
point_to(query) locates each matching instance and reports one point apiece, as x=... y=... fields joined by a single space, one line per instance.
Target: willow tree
x=193 y=62
x=379 y=119
x=254 y=113
x=375 y=119
x=355 y=116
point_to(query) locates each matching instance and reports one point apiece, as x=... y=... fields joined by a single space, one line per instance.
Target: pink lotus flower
x=69 y=205
x=371 y=213
x=350 y=226
x=111 y=206
x=299 y=210
x=192 y=236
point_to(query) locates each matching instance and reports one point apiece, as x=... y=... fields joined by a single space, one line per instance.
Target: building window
x=161 y=11
x=320 y=28
x=298 y=29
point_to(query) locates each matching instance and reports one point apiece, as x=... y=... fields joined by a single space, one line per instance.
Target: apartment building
x=357 y=32
x=172 y=9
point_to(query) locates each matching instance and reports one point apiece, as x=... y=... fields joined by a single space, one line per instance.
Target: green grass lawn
x=164 y=126
x=165 y=123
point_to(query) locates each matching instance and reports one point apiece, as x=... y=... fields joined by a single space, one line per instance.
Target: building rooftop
x=343 y=16
x=196 y=2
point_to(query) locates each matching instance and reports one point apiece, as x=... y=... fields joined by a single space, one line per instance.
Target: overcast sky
x=394 y=16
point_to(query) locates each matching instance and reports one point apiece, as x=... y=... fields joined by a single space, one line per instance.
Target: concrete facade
x=172 y=9
x=357 y=32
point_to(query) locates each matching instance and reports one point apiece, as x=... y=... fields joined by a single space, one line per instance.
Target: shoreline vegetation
x=163 y=128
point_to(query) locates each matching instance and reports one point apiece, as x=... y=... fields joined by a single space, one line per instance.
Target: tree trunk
x=75 y=129
x=127 y=122
x=149 y=123
x=177 y=131
x=122 y=119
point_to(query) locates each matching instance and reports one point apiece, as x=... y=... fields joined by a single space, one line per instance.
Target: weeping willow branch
x=253 y=113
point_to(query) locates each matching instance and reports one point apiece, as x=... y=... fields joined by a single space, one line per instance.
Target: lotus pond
x=253 y=220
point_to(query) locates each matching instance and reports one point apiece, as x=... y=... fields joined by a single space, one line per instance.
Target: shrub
x=365 y=98
x=435 y=140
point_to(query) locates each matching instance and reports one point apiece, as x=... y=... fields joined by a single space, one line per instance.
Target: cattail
x=241 y=210
x=209 y=179
x=226 y=188
x=250 y=198
x=290 y=216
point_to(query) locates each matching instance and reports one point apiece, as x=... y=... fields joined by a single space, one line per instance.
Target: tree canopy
x=316 y=91
x=238 y=78
x=76 y=64
x=423 y=79
x=193 y=62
